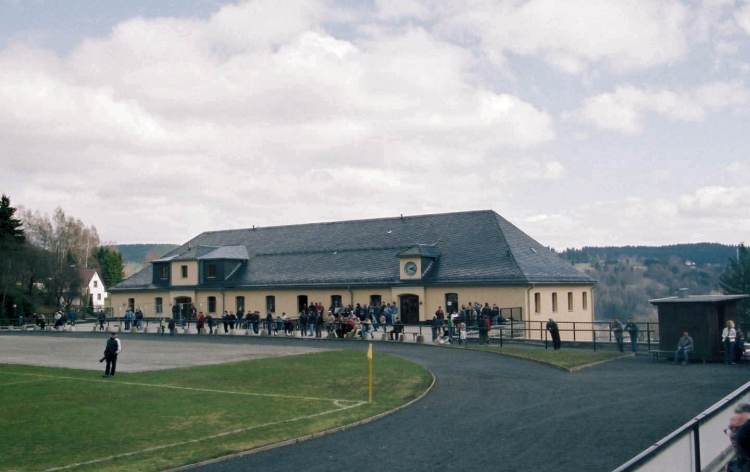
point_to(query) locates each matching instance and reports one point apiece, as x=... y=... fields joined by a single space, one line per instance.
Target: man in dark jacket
x=113 y=348
x=554 y=331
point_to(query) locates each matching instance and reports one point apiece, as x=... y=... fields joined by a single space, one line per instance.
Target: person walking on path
x=112 y=349
x=632 y=330
x=616 y=327
x=554 y=331
x=728 y=336
x=684 y=348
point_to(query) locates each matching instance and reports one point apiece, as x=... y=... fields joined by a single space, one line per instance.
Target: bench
x=657 y=354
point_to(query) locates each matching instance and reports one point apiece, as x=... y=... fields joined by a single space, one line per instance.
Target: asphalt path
x=491 y=412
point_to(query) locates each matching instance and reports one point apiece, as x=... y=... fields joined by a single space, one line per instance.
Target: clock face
x=410 y=268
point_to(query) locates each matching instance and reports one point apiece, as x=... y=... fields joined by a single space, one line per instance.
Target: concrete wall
x=176 y=273
x=430 y=298
x=563 y=314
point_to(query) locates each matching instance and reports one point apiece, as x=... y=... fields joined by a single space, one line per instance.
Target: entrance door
x=301 y=303
x=409 y=309
x=181 y=308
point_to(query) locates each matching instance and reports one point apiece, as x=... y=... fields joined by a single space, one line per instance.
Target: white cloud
x=713 y=201
x=742 y=16
x=624 y=110
x=246 y=114
x=573 y=35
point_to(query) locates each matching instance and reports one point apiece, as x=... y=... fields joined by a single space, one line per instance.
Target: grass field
x=64 y=419
x=566 y=358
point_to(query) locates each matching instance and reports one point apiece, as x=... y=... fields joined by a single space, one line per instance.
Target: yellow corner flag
x=369 y=365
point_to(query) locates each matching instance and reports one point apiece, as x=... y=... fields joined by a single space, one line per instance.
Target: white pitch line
x=196 y=389
x=205 y=438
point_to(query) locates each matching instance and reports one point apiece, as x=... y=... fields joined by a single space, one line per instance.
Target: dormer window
x=184 y=270
x=163 y=272
x=210 y=271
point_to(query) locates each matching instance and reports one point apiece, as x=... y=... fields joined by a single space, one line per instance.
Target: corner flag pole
x=369 y=366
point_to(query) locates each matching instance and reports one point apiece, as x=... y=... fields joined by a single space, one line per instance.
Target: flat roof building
x=418 y=262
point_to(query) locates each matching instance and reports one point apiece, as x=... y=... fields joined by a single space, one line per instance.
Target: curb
x=592 y=364
x=307 y=437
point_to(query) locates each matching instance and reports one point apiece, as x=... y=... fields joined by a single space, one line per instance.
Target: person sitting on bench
x=684 y=348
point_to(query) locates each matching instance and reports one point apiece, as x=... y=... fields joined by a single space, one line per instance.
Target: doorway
x=301 y=303
x=409 y=309
x=182 y=308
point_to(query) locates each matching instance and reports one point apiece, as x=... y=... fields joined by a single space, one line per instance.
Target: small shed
x=702 y=316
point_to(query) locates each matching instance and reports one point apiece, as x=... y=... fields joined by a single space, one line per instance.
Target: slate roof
x=421 y=250
x=476 y=247
x=699 y=299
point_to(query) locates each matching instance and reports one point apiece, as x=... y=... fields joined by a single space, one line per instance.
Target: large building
x=417 y=262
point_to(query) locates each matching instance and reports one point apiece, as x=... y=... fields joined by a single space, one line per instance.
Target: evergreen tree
x=736 y=279
x=11 y=229
x=112 y=269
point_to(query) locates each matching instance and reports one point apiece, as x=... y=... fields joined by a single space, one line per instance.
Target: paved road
x=489 y=412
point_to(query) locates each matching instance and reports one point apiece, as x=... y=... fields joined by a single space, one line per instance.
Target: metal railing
x=695 y=446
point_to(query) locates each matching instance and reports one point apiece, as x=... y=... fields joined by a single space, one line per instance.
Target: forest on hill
x=630 y=276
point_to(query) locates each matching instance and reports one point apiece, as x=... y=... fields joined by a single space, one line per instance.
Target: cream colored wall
x=504 y=297
x=563 y=314
x=417 y=275
x=430 y=298
x=192 y=278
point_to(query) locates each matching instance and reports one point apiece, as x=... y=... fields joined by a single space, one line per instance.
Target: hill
x=631 y=275
x=139 y=253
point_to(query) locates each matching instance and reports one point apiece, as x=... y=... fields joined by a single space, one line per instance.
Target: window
x=451 y=302
x=537 y=302
x=163 y=271
x=96 y=283
x=158 y=305
x=131 y=303
x=184 y=269
x=554 y=302
x=336 y=301
x=211 y=271
x=585 y=301
x=212 y=304
x=570 y=301
x=270 y=304
x=98 y=296
x=376 y=300
x=239 y=304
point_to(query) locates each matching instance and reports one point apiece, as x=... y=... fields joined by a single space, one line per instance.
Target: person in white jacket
x=728 y=335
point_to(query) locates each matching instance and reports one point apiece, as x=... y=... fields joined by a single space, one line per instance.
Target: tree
x=12 y=245
x=112 y=269
x=736 y=279
x=11 y=229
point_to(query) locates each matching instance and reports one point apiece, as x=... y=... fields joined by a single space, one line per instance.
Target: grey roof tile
x=468 y=247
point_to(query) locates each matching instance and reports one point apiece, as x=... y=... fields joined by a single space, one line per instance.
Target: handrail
x=691 y=426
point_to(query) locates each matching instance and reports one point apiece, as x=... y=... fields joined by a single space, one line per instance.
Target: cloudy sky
x=583 y=122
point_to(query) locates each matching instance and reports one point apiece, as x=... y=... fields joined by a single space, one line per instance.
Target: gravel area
x=140 y=353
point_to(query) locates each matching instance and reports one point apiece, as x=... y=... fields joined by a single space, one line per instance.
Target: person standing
x=728 y=336
x=171 y=325
x=684 y=348
x=616 y=327
x=554 y=331
x=632 y=330
x=111 y=351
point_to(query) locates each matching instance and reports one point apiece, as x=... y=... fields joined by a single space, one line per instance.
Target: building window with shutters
x=537 y=302
x=570 y=301
x=158 y=305
x=585 y=301
x=336 y=301
x=184 y=271
x=212 y=304
x=210 y=271
x=270 y=304
x=554 y=302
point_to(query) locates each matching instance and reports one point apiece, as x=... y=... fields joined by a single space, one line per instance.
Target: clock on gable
x=410 y=268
